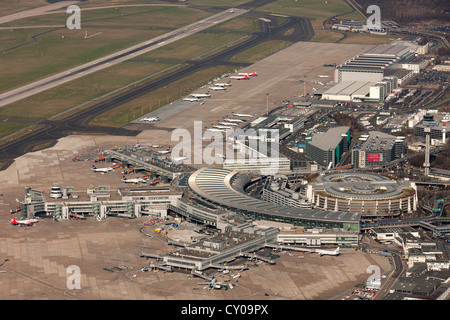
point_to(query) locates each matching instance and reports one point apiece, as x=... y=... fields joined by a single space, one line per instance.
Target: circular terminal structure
x=367 y=193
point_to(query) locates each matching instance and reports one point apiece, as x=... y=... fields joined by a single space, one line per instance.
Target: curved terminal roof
x=359 y=186
x=225 y=187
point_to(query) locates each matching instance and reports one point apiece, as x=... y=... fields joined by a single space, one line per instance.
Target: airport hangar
x=371 y=76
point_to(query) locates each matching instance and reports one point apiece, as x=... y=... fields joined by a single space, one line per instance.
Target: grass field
x=320 y=9
x=260 y=51
x=7 y=128
x=52 y=53
x=193 y=46
x=366 y=38
x=238 y=24
x=71 y=94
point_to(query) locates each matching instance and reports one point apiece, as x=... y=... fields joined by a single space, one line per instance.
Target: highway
x=79 y=122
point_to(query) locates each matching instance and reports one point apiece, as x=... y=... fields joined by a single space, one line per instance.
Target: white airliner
x=152 y=119
x=26 y=222
x=321 y=76
x=250 y=74
x=104 y=170
x=179 y=159
x=242 y=115
x=134 y=180
x=215 y=88
x=245 y=77
x=211 y=285
x=226 y=84
x=192 y=99
x=201 y=95
x=222 y=127
x=234 y=120
x=326 y=252
x=215 y=130
x=228 y=124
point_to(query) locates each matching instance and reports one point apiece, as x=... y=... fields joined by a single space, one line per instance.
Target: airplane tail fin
x=13 y=221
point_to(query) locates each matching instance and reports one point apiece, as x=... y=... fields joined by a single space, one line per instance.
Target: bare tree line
x=403 y=11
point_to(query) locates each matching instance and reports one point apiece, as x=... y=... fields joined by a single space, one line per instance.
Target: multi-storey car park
x=370 y=195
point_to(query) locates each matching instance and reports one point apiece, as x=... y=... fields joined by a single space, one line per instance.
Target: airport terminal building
x=225 y=189
x=371 y=76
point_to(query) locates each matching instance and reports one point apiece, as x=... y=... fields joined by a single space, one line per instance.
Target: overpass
x=426 y=223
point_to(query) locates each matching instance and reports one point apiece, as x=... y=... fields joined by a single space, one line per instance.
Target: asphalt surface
x=79 y=122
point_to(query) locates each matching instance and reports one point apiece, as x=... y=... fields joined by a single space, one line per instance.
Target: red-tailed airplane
x=250 y=74
x=26 y=222
x=246 y=77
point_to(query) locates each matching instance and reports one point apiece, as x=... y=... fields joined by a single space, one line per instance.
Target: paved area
x=39 y=257
x=279 y=76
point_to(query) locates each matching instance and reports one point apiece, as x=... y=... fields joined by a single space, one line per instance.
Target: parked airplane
x=102 y=170
x=234 y=120
x=201 y=95
x=26 y=222
x=222 y=127
x=211 y=285
x=321 y=76
x=152 y=119
x=228 y=124
x=326 y=252
x=215 y=130
x=215 y=88
x=192 y=99
x=241 y=77
x=134 y=180
x=254 y=73
x=224 y=84
x=77 y=216
x=242 y=115
x=164 y=151
x=179 y=159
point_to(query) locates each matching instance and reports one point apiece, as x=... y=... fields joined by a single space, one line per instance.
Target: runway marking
x=141 y=48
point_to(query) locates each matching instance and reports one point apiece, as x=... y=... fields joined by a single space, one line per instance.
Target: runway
x=78 y=122
x=115 y=58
